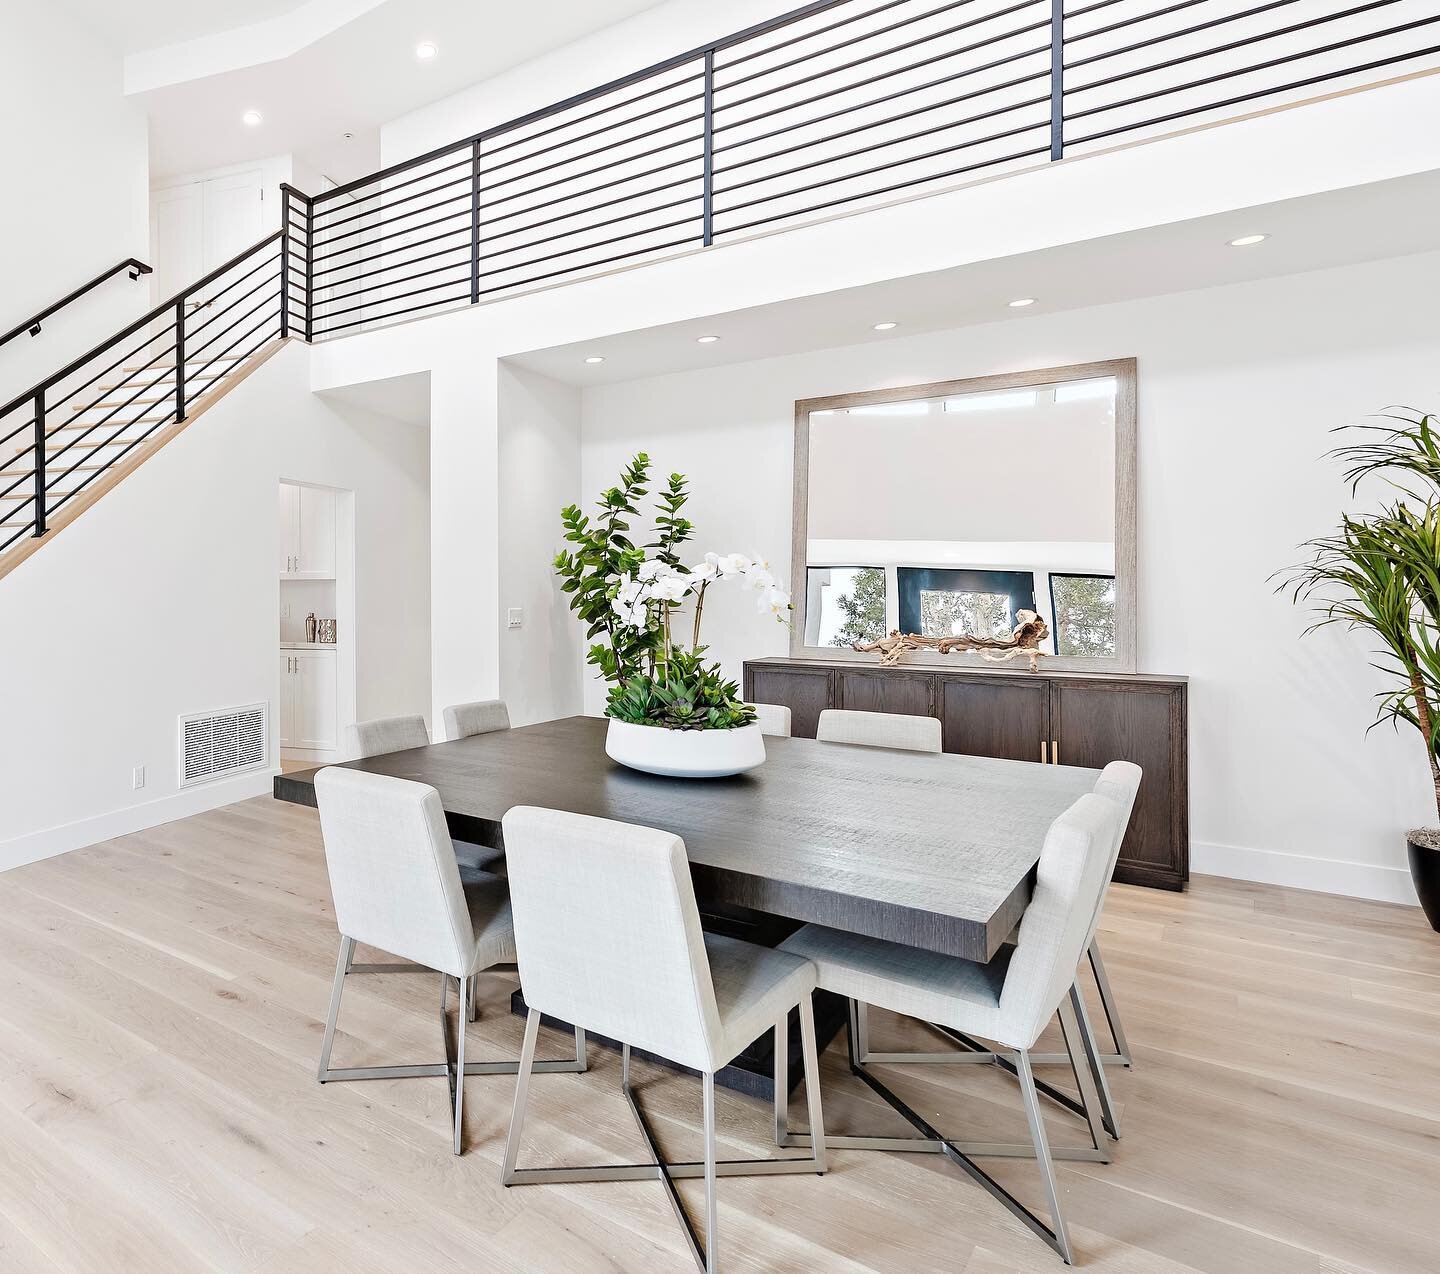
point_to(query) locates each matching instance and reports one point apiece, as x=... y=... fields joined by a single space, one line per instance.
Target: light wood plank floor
x=161 y=1004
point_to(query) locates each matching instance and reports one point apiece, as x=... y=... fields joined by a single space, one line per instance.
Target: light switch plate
x=137 y=778
x=516 y=616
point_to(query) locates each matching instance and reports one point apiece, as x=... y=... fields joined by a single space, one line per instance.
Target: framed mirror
x=947 y=509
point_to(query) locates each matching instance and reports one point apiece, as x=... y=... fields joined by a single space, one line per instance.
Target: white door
x=289 y=528
x=288 y=684
x=317 y=531
x=177 y=237
x=233 y=216
x=315 y=712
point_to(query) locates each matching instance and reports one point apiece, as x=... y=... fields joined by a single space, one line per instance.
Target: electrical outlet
x=284 y=610
x=137 y=778
x=516 y=616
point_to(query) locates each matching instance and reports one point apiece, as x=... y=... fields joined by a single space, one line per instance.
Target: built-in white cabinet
x=308 y=700
x=199 y=224
x=307 y=532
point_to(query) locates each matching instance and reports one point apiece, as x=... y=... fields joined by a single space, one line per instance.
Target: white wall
x=75 y=155
x=1238 y=387
x=161 y=600
x=539 y=461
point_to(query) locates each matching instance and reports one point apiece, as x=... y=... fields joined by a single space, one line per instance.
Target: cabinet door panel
x=317 y=531
x=315 y=712
x=911 y=694
x=289 y=527
x=286 y=712
x=1095 y=724
x=1006 y=718
x=807 y=692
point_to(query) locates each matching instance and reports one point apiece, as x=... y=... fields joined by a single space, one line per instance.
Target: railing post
x=708 y=216
x=39 y=462
x=284 y=261
x=180 y=359
x=1057 y=79
x=310 y=270
x=475 y=223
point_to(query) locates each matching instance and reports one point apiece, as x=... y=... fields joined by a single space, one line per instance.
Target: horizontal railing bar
x=117 y=365
x=890 y=97
x=875 y=168
x=809 y=35
x=897 y=141
x=487 y=191
x=378 y=217
x=1182 y=58
x=1241 y=99
x=1088 y=9
x=690 y=179
x=591 y=265
x=1151 y=16
x=225 y=353
x=1004 y=60
x=326 y=233
x=726 y=84
x=411 y=309
x=529 y=138
x=128 y=383
x=147 y=317
x=696 y=198
x=395 y=265
x=1269 y=64
x=402 y=296
x=598 y=150
x=129 y=263
x=895 y=118
x=415 y=229
x=1041 y=25
x=487 y=157
x=239 y=300
x=583 y=247
x=384 y=288
x=590 y=95
x=883 y=190
x=192 y=354
x=388 y=190
x=357 y=262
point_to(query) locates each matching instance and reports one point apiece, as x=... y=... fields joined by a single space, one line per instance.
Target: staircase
x=827 y=109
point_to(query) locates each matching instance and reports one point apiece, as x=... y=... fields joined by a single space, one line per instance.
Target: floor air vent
x=214 y=745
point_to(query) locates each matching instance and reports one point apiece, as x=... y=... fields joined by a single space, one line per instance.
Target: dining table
x=934 y=850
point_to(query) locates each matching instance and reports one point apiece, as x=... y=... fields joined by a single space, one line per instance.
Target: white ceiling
x=1384 y=219
x=132 y=25
x=359 y=76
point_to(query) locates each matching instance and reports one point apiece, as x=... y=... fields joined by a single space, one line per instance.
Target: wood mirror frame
x=1123 y=371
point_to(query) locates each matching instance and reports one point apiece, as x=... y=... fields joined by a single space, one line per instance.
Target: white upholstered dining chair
x=774 y=719
x=1010 y=1000
x=396 y=886
x=609 y=938
x=388 y=734
x=879 y=730
x=485 y=716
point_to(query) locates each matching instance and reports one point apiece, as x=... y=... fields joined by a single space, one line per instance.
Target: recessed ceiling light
x=1021 y=302
x=596 y=358
x=885 y=326
x=426 y=51
x=706 y=340
x=252 y=118
x=1245 y=240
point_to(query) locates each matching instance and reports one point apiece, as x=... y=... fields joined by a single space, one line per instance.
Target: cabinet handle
x=1054 y=752
x=1042 y=751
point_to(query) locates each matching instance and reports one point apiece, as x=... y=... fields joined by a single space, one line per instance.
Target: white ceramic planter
x=685 y=754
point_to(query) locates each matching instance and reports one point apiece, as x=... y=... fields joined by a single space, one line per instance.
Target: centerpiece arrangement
x=672 y=711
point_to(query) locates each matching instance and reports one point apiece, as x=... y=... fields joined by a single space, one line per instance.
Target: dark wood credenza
x=1071 y=718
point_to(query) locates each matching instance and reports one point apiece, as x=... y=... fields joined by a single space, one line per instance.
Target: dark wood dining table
x=934 y=850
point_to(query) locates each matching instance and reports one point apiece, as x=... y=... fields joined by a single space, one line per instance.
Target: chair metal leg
x=522 y=1097
x=782 y=1080
x=711 y=1264
x=1059 y=1235
x=455 y=1053
x=1095 y=1066
x=472 y=1009
x=342 y=965
x=1112 y=1011
x=810 y=1055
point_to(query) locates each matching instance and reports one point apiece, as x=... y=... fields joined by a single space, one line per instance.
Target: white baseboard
x=1302 y=871
x=51 y=841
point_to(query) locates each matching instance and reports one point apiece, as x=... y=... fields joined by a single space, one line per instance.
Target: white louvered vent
x=216 y=744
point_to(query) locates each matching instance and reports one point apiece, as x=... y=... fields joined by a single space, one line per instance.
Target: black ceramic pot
x=1425 y=872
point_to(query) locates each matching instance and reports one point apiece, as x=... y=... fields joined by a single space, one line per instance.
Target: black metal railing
x=832 y=107
x=133 y=265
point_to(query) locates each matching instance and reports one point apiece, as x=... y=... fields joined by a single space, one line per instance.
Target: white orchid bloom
x=734 y=564
x=629 y=593
x=651 y=570
x=759 y=578
x=774 y=601
x=706 y=571
x=670 y=588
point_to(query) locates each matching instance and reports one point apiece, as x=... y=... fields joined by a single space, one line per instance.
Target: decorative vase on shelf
x=685 y=754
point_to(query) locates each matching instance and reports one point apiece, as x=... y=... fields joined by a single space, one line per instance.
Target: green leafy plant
x=626 y=594
x=1380 y=573
x=686 y=694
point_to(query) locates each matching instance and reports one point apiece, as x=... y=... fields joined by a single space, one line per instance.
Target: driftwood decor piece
x=1030 y=631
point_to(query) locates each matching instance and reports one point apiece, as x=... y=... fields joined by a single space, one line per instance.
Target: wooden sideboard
x=1071 y=718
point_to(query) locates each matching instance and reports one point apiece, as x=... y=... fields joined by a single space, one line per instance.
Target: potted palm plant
x=671 y=710
x=1380 y=573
